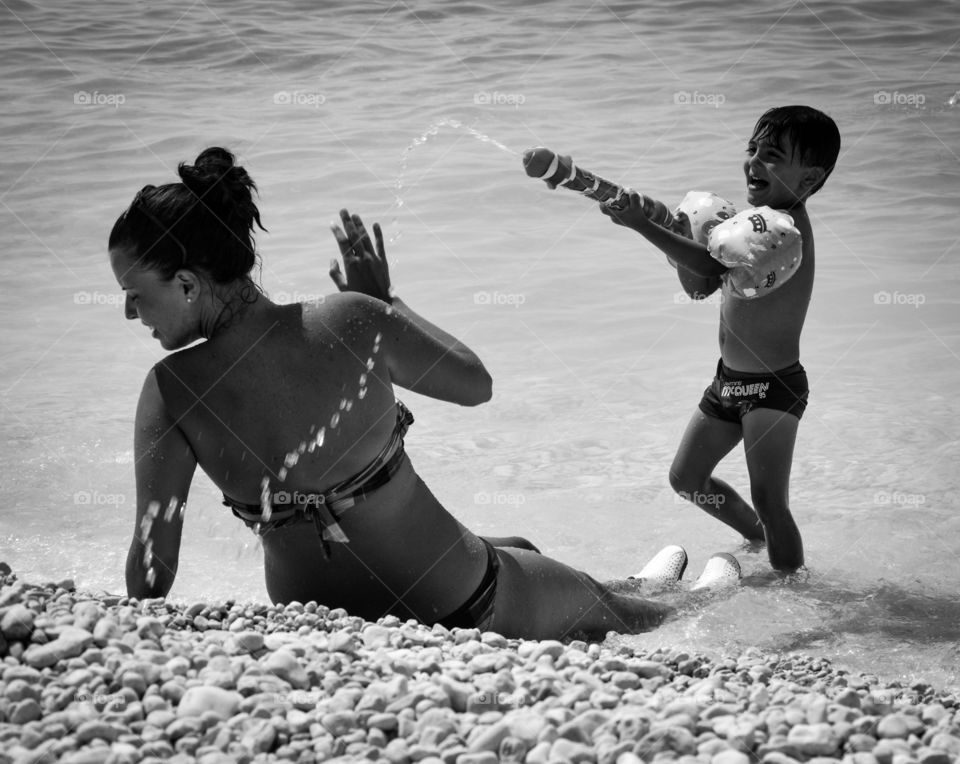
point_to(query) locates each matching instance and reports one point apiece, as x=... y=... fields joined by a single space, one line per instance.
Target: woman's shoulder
x=343 y=311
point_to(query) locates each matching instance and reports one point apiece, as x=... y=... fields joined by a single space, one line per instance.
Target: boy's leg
x=706 y=441
x=768 y=439
x=541 y=598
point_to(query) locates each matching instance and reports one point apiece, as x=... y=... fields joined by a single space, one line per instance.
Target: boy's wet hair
x=813 y=136
x=204 y=223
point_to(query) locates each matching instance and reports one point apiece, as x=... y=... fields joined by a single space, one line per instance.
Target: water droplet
x=282 y=474
x=343 y=403
x=148 y=557
x=362 y=393
x=376 y=340
x=363 y=380
x=370 y=364
x=291 y=459
x=151 y=577
x=243 y=456
x=302 y=447
x=171 y=508
x=153 y=509
x=320 y=437
x=334 y=420
x=349 y=405
x=146 y=524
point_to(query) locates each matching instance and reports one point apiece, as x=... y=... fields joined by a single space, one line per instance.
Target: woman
x=290 y=410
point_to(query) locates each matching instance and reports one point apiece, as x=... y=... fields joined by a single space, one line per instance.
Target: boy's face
x=775 y=176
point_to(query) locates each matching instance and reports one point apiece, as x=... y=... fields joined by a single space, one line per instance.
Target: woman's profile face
x=163 y=305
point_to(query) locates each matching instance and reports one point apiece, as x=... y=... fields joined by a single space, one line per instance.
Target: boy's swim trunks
x=733 y=393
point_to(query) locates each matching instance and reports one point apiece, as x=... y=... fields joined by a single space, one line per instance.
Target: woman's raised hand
x=365 y=268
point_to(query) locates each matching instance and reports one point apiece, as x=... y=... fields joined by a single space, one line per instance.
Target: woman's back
x=297 y=394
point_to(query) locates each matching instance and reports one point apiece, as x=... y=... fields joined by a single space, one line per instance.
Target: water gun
x=556 y=170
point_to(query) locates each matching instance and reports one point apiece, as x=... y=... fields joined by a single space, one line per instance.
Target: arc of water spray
x=423 y=138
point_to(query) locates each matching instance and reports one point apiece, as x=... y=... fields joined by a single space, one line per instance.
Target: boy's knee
x=769 y=504
x=684 y=484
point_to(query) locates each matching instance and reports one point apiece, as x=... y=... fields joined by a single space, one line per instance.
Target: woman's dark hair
x=204 y=223
x=812 y=134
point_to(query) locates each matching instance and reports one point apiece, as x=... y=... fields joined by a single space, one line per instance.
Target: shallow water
x=597 y=363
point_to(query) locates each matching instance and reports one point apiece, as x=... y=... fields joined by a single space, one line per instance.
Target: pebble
x=17 y=623
x=198 y=700
x=893 y=726
x=88 y=678
x=71 y=643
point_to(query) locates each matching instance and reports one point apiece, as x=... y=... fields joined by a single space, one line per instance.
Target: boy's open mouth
x=755 y=183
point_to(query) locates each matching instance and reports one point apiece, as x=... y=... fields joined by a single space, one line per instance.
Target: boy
x=760 y=389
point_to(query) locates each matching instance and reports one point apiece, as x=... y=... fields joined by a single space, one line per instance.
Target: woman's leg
x=515 y=541
x=540 y=598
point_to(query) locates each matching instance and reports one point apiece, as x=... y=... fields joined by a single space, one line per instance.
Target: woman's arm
x=164 y=465
x=420 y=355
x=682 y=251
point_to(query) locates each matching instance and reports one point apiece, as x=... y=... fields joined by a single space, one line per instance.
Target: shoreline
x=88 y=677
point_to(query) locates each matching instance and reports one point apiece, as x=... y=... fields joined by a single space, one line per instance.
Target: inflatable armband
x=761 y=247
x=702 y=211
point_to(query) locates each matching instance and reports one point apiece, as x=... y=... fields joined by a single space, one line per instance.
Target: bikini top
x=278 y=509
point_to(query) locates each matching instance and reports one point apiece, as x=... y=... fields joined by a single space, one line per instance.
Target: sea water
x=598 y=359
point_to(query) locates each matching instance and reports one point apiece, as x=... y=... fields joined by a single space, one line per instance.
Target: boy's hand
x=628 y=213
x=366 y=268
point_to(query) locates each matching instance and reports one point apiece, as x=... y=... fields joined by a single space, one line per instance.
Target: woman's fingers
x=381 y=250
x=337 y=275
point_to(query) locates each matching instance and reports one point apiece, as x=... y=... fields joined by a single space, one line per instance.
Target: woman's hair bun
x=214 y=178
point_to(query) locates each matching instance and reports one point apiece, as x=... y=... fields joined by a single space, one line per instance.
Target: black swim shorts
x=733 y=393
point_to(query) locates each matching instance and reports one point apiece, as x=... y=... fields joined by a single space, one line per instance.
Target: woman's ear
x=189 y=284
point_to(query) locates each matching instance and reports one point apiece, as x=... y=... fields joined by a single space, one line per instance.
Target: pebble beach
x=92 y=677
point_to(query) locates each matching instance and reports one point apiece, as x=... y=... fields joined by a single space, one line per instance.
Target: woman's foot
x=666 y=567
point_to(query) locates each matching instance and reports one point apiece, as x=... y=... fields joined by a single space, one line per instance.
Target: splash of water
x=432 y=132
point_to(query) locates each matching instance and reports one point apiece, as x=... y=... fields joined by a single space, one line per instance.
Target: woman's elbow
x=482 y=390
